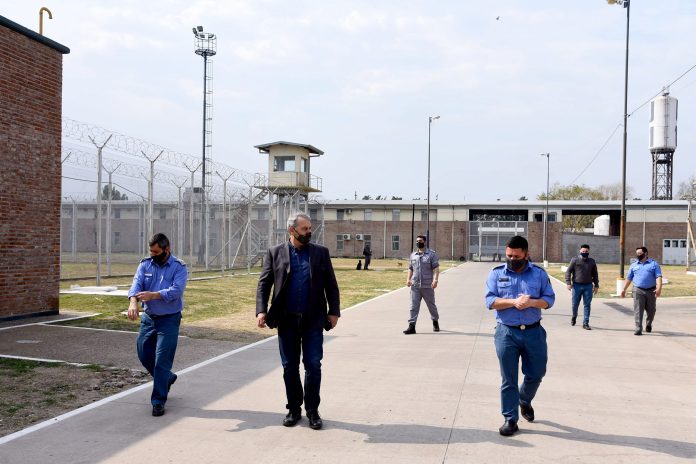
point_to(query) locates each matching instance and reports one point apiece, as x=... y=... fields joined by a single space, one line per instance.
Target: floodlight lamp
x=200 y=28
x=195 y=32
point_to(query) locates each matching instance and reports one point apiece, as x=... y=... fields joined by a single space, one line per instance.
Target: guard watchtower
x=289 y=182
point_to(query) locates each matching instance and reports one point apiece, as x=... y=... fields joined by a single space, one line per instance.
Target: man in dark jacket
x=582 y=278
x=304 y=285
x=367 y=252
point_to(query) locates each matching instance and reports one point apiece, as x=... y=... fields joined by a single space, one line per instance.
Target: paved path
x=609 y=396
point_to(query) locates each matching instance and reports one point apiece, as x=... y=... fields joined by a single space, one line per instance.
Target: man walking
x=304 y=285
x=423 y=274
x=646 y=276
x=582 y=279
x=518 y=291
x=158 y=285
x=367 y=252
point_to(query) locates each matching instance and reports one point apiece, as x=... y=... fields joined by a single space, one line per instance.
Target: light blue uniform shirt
x=423 y=266
x=504 y=283
x=645 y=274
x=169 y=280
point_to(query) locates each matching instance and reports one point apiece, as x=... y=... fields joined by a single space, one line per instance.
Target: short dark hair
x=645 y=250
x=518 y=242
x=161 y=240
x=421 y=236
x=585 y=245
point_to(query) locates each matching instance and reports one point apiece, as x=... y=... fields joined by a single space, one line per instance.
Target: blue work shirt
x=423 y=266
x=645 y=274
x=504 y=283
x=298 y=280
x=169 y=280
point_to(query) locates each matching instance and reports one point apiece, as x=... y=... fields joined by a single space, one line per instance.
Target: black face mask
x=515 y=264
x=585 y=255
x=161 y=258
x=640 y=257
x=420 y=245
x=304 y=239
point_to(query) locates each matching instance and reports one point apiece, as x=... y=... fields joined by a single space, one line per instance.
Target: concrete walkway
x=609 y=396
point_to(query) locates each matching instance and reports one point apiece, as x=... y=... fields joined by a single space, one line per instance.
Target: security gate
x=487 y=239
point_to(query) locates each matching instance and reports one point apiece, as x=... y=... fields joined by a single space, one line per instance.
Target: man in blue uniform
x=158 y=285
x=423 y=274
x=646 y=276
x=518 y=291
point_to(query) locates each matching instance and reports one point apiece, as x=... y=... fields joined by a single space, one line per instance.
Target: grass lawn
x=224 y=308
x=680 y=283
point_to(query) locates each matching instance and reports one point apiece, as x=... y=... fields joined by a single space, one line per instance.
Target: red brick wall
x=30 y=175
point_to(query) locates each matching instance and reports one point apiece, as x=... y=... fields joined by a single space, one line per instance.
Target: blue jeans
x=293 y=339
x=584 y=291
x=511 y=344
x=156 y=348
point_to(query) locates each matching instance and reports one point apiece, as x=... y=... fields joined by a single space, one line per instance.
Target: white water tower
x=663 y=143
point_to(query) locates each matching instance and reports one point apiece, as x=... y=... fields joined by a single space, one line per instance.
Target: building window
x=666 y=244
x=117 y=213
x=340 y=214
x=395 y=242
x=396 y=214
x=552 y=217
x=538 y=217
x=368 y=214
x=117 y=238
x=314 y=214
x=263 y=214
x=339 y=242
x=212 y=214
x=284 y=163
x=163 y=214
x=424 y=215
x=682 y=244
x=675 y=243
x=304 y=164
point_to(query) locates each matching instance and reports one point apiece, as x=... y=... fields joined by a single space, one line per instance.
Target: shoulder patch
x=181 y=261
x=499 y=266
x=144 y=259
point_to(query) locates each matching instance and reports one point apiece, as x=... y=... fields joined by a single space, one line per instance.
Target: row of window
x=674 y=243
x=367 y=240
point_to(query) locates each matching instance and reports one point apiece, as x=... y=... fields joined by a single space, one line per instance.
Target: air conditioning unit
x=349 y=211
x=346 y=236
x=359 y=237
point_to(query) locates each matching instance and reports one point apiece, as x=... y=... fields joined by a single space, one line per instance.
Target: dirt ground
x=33 y=391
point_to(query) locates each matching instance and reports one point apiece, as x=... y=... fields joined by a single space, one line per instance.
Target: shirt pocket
x=532 y=289
x=505 y=289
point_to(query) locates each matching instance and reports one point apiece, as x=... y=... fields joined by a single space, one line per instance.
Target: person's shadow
x=428 y=434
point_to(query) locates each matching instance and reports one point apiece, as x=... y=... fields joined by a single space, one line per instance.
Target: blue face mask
x=585 y=255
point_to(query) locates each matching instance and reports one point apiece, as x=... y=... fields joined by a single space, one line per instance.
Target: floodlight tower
x=206 y=46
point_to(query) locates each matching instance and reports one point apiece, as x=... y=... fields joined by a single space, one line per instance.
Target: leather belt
x=647 y=289
x=526 y=326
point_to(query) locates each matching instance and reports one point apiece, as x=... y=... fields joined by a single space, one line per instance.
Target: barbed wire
x=87 y=133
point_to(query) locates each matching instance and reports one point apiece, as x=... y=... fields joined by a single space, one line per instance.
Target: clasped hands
x=522 y=302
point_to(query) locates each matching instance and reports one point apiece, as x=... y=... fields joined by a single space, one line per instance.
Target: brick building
x=31 y=73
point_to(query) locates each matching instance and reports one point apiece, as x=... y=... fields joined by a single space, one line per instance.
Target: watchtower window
x=284 y=163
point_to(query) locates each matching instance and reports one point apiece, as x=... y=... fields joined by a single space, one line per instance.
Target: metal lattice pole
x=108 y=220
x=150 y=193
x=99 y=210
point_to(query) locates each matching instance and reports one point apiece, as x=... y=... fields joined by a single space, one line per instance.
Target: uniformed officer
x=423 y=274
x=646 y=276
x=158 y=285
x=518 y=291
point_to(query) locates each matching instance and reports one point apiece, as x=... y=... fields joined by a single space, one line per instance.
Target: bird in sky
x=498 y=18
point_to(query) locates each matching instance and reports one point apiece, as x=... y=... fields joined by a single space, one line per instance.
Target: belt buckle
x=522 y=327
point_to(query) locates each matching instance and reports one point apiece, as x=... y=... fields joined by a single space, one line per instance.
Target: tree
x=367 y=197
x=115 y=194
x=686 y=189
x=581 y=192
x=522 y=198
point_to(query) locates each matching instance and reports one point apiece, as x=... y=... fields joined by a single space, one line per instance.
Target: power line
x=658 y=93
x=606 y=142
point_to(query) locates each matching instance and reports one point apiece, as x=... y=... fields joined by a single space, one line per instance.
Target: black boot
x=411 y=329
x=436 y=326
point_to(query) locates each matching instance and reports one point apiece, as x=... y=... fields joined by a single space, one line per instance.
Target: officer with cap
x=518 y=291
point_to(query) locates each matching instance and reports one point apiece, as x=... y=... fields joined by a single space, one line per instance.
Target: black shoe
x=508 y=428
x=315 y=422
x=292 y=418
x=527 y=412
x=648 y=328
x=171 y=382
x=638 y=332
x=572 y=320
x=586 y=327
x=158 y=410
x=411 y=329
x=436 y=326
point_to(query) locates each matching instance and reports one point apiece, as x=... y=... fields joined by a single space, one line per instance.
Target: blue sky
x=358 y=79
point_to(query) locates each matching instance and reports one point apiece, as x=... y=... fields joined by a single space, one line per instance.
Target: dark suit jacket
x=323 y=289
